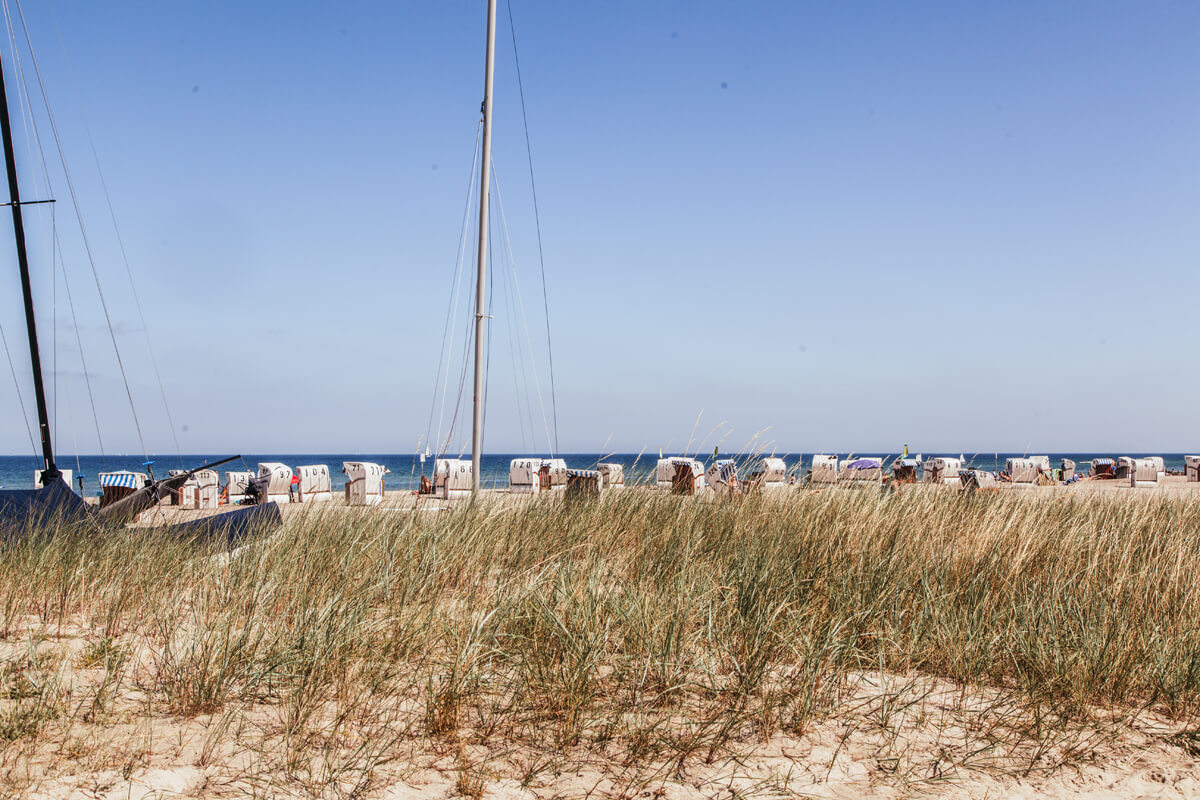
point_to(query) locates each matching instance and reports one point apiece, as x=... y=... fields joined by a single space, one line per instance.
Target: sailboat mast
x=51 y=472
x=481 y=269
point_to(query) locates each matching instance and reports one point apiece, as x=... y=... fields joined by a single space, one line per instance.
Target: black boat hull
x=26 y=510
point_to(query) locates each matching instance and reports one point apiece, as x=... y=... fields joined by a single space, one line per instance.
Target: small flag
x=715 y=453
x=660 y=455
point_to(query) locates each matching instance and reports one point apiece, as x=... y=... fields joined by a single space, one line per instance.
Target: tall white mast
x=481 y=270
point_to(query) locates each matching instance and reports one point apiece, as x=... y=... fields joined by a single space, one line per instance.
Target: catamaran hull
x=233 y=526
x=22 y=510
x=48 y=509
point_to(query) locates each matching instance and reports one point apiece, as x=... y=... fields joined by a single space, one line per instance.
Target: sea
x=17 y=472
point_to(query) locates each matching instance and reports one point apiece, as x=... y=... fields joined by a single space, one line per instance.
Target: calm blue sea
x=16 y=472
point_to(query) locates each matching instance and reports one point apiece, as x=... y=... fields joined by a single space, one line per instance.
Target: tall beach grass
x=643 y=631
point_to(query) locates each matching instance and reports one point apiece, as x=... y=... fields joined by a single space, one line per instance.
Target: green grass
x=642 y=630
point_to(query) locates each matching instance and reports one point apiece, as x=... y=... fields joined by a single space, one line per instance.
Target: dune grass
x=645 y=632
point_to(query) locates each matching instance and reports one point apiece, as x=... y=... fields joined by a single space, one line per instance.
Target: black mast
x=51 y=472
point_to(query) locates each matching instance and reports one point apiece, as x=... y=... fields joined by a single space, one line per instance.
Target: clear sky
x=960 y=226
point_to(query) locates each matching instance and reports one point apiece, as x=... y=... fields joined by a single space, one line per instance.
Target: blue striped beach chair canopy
x=725 y=469
x=583 y=473
x=129 y=480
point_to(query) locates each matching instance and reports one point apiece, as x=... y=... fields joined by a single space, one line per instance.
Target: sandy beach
x=890 y=736
x=1170 y=487
x=351 y=653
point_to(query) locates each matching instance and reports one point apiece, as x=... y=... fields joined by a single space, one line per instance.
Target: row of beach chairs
x=273 y=483
x=687 y=475
x=277 y=483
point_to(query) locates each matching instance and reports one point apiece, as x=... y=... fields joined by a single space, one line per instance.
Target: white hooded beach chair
x=1191 y=466
x=236 y=484
x=315 y=485
x=680 y=474
x=531 y=475
x=452 y=478
x=612 y=475
x=824 y=469
x=523 y=476
x=1023 y=471
x=364 y=482
x=67 y=476
x=279 y=481
x=943 y=470
x=770 y=475
x=722 y=476
x=185 y=495
x=971 y=479
x=208 y=488
x=584 y=484
x=1145 y=473
x=556 y=469
x=1126 y=467
x=904 y=469
x=862 y=470
x=116 y=486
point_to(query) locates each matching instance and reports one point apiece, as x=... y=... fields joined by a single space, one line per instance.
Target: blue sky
x=848 y=225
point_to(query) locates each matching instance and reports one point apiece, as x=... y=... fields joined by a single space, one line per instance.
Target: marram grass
x=644 y=629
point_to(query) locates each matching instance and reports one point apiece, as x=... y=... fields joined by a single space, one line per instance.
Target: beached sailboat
x=481 y=262
x=453 y=475
x=22 y=510
x=450 y=475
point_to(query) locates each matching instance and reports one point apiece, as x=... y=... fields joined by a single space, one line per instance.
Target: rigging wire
x=464 y=287
x=54 y=325
x=519 y=357
x=28 y=121
x=25 y=116
x=496 y=261
x=33 y=136
x=87 y=379
x=462 y=382
x=553 y=443
x=82 y=229
x=516 y=355
x=537 y=221
x=74 y=437
x=445 y=442
x=452 y=306
x=20 y=398
x=491 y=302
x=116 y=228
